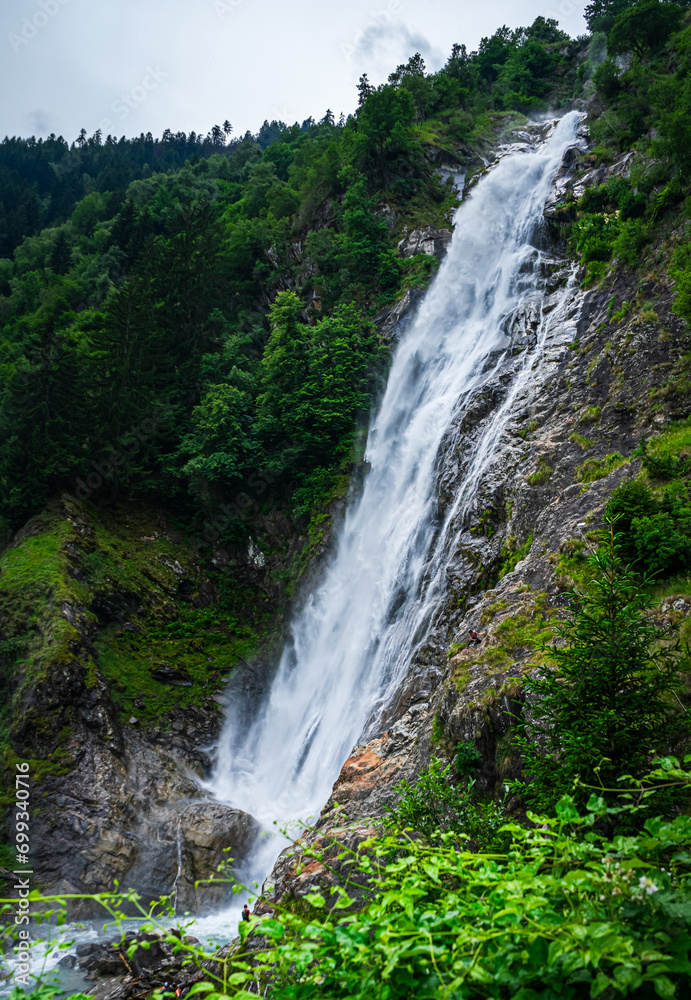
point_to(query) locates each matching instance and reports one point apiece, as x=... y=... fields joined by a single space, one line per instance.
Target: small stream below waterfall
x=353 y=640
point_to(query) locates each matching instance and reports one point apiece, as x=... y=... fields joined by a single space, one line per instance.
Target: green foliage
x=591 y=415
x=585 y=444
x=606 y=706
x=608 y=225
x=655 y=535
x=601 y=14
x=667 y=455
x=433 y=805
x=142 y=272
x=644 y=27
x=520 y=634
x=512 y=555
x=542 y=474
x=597 y=468
x=563 y=911
x=313 y=381
x=467 y=758
x=680 y=271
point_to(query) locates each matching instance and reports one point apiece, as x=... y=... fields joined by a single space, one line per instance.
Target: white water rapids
x=352 y=642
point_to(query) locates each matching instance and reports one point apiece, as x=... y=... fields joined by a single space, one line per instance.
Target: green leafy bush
x=630 y=240
x=653 y=535
x=434 y=805
x=564 y=912
x=467 y=758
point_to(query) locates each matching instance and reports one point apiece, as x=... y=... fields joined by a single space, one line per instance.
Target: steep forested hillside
x=146 y=291
x=194 y=332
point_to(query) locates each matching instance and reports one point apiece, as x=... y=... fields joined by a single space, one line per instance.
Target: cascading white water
x=353 y=641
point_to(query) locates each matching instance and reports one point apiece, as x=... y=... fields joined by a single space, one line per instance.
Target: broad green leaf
x=273 y=928
x=664 y=987
x=599 y=985
x=315 y=899
x=566 y=809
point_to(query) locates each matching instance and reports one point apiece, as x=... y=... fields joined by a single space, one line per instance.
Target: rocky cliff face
x=607 y=377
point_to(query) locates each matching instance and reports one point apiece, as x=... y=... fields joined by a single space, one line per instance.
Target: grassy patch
x=598 y=468
x=34 y=587
x=117 y=572
x=491 y=610
x=461 y=675
x=584 y=443
x=518 y=635
x=201 y=645
x=591 y=415
x=622 y=312
x=676 y=391
x=673 y=442
x=541 y=475
x=677 y=586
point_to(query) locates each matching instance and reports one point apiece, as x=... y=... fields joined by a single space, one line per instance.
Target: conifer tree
x=61 y=254
x=609 y=702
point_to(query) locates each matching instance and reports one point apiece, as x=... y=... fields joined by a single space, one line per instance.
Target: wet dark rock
x=431 y=241
x=389 y=320
x=172 y=675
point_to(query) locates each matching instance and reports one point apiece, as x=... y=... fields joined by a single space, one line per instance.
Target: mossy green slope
x=92 y=598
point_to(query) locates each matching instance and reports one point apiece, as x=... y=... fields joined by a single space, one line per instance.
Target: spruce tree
x=608 y=703
x=61 y=254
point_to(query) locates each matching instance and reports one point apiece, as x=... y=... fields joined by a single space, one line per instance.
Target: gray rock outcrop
x=431 y=241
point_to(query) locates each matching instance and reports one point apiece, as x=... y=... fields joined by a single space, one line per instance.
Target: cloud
x=40 y=122
x=383 y=43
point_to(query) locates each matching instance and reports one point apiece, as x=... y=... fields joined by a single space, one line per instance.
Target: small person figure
x=246 y=912
x=474 y=637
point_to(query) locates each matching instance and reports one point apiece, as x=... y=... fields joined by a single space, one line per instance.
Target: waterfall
x=178 y=843
x=352 y=642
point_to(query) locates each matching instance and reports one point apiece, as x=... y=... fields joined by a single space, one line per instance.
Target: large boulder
x=210 y=833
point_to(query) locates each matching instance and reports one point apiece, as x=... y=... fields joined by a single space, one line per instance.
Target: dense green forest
x=189 y=320
x=176 y=330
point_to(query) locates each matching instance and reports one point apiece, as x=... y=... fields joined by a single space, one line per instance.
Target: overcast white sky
x=146 y=65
